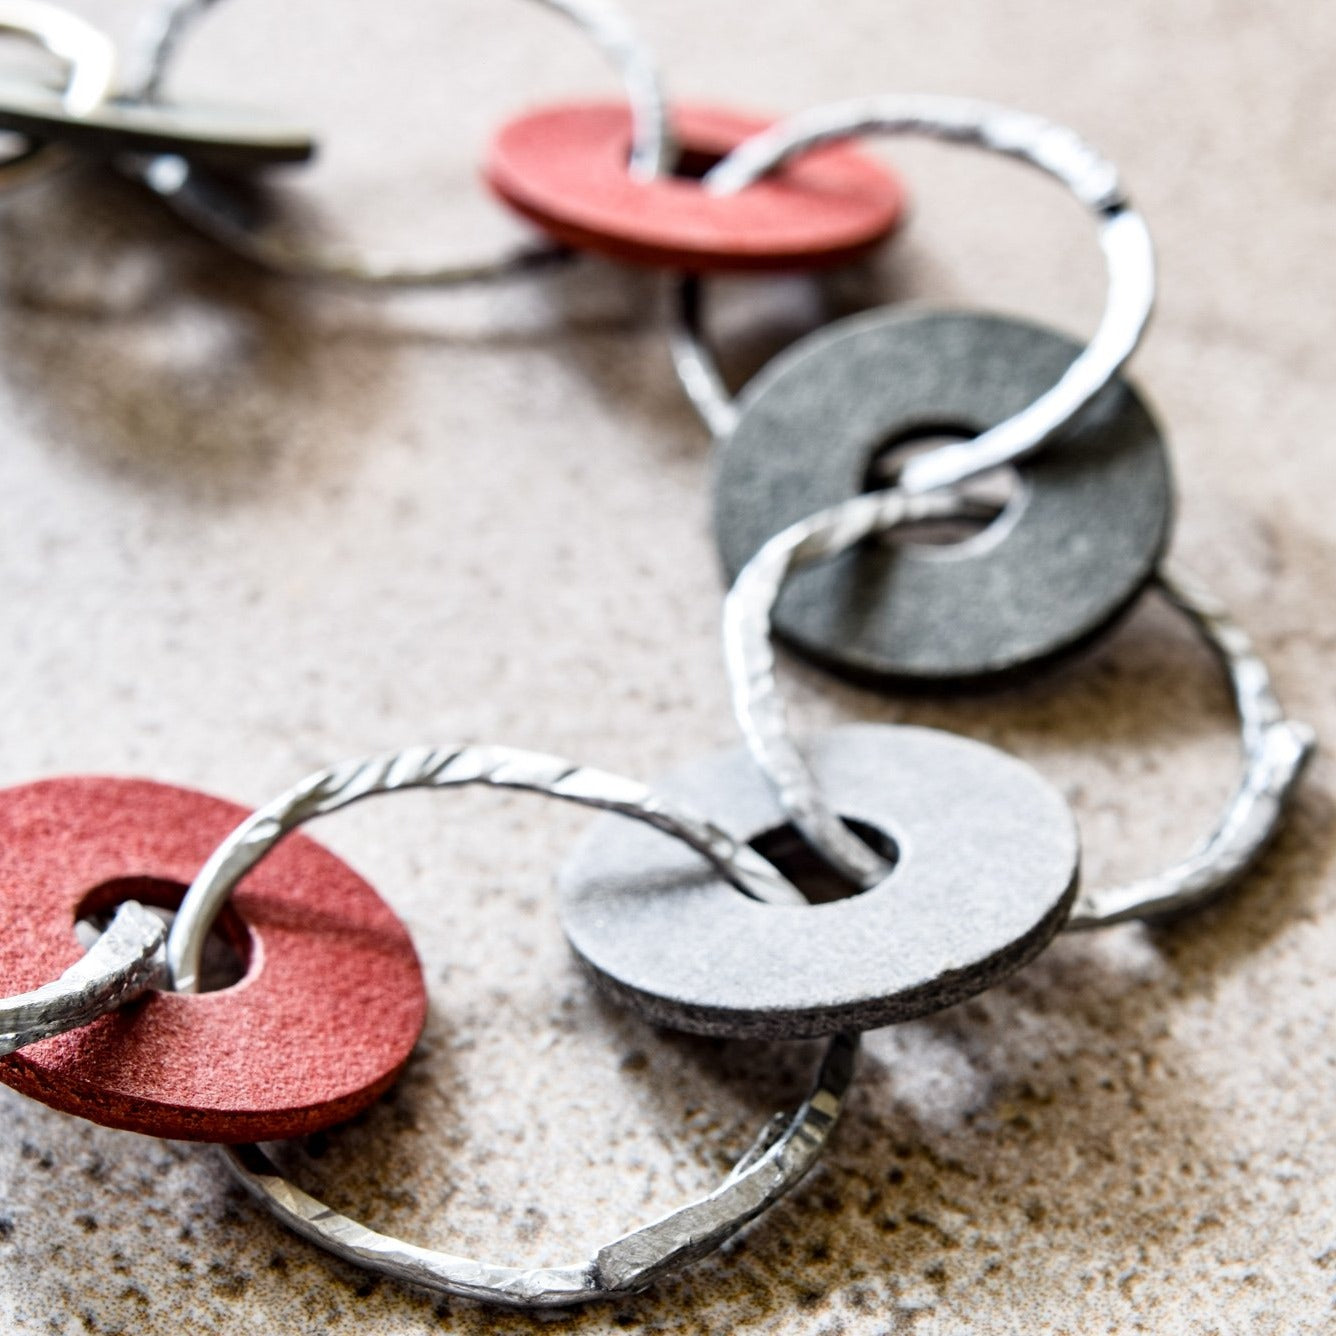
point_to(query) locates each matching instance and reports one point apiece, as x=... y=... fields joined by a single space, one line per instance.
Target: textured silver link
x=128 y=960
x=1275 y=749
x=750 y=661
x=774 y=1164
x=1054 y=149
x=90 y=57
x=786 y=1149
x=1275 y=752
x=444 y=768
x=208 y=204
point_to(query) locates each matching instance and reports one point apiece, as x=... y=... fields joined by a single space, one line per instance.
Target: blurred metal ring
x=1055 y=150
x=90 y=58
x=211 y=205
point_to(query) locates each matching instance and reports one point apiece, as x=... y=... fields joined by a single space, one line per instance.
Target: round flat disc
x=328 y=1011
x=565 y=169
x=985 y=877
x=1079 y=540
x=228 y=137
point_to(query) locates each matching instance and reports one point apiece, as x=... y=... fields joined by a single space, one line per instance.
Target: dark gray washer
x=987 y=870
x=226 y=137
x=1074 y=547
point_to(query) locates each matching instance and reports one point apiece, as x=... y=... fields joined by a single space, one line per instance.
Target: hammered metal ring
x=1055 y=150
x=781 y=1156
x=211 y=206
x=1275 y=748
x=90 y=58
x=127 y=960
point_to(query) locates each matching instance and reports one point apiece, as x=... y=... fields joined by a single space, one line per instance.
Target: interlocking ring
x=1275 y=748
x=212 y=206
x=775 y=1163
x=1054 y=149
x=127 y=961
x=90 y=60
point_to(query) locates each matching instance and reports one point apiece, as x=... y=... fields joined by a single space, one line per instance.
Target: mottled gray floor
x=247 y=529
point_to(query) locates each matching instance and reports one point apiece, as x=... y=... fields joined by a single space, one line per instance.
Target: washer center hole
x=692 y=163
x=990 y=493
x=786 y=849
x=227 y=952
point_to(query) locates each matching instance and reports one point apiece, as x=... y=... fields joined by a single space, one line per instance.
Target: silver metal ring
x=783 y=1154
x=128 y=960
x=1054 y=149
x=90 y=57
x=1275 y=749
x=207 y=202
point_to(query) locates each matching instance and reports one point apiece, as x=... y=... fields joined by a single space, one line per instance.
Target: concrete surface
x=249 y=528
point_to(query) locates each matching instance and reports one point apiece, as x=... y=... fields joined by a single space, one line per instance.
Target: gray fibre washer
x=1077 y=542
x=986 y=874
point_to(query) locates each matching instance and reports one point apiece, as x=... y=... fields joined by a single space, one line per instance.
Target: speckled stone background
x=246 y=528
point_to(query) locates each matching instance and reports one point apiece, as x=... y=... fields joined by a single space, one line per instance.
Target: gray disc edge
x=815 y=1022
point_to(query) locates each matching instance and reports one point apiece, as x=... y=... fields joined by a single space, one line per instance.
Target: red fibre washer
x=328 y=1011
x=565 y=169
